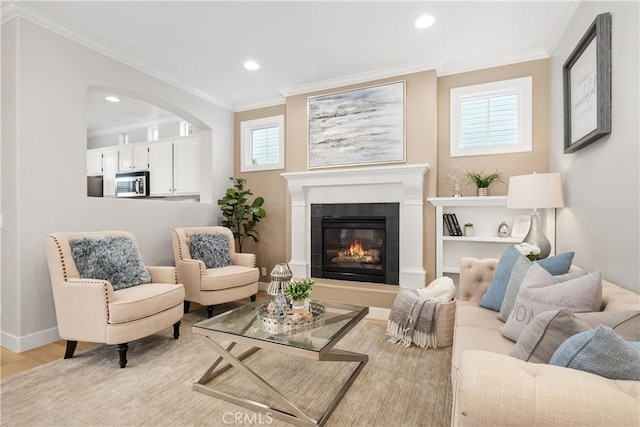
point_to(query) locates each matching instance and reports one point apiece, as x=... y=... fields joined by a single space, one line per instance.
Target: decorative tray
x=294 y=320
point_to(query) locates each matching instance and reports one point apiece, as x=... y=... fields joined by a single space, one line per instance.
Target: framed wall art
x=587 y=87
x=355 y=127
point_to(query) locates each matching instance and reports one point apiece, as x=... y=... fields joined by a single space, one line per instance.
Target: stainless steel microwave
x=132 y=184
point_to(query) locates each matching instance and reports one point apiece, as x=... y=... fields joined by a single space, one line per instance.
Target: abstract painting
x=355 y=127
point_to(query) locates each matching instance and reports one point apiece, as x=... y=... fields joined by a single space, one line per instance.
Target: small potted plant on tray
x=297 y=291
x=483 y=180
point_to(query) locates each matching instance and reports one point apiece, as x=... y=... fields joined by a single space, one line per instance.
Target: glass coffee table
x=312 y=341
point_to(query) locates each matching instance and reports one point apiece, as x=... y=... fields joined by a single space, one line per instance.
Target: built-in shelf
x=486 y=214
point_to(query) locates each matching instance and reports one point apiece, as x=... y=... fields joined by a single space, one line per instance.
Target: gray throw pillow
x=539 y=293
x=212 y=249
x=546 y=332
x=625 y=323
x=520 y=269
x=602 y=352
x=113 y=258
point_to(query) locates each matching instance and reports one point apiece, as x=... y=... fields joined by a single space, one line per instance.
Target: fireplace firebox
x=357 y=242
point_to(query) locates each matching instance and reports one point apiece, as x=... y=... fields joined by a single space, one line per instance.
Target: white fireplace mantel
x=403 y=184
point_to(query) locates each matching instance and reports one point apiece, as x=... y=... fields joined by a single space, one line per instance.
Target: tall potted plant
x=241 y=215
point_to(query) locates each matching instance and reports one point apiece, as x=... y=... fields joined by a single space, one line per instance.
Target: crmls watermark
x=243 y=418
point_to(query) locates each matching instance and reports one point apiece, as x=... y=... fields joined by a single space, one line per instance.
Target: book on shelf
x=450 y=222
x=456 y=225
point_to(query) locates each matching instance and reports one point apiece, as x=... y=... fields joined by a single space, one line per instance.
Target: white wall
x=601 y=221
x=43 y=167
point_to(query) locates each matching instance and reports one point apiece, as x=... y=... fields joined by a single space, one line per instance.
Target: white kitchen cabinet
x=110 y=168
x=161 y=169
x=486 y=214
x=94 y=161
x=174 y=168
x=186 y=171
x=134 y=157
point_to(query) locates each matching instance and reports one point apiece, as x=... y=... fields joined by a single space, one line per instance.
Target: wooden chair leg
x=187 y=304
x=71 y=348
x=176 y=329
x=122 y=349
x=210 y=311
x=253 y=297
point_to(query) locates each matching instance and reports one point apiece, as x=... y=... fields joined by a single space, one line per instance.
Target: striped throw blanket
x=414 y=312
x=412 y=319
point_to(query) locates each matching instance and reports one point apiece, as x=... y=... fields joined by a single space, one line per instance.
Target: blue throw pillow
x=602 y=352
x=113 y=258
x=492 y=299
x=212 y=249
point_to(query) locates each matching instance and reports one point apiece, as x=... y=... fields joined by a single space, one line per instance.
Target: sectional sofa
x=492 y=388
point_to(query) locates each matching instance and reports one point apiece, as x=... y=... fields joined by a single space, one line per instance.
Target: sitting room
x=201 y=201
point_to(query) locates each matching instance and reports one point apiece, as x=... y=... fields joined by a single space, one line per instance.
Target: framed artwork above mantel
x=357 y=127
x=587 y=87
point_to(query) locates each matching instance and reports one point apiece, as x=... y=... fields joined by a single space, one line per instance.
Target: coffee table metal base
x=292 y=414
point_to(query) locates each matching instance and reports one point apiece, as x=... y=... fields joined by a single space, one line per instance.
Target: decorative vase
x=503 y=230
x=468 y=231
x=483 y=191
x=280 y=278
x=298 y=304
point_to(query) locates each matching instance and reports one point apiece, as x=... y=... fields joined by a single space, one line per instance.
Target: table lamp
x=536 y=191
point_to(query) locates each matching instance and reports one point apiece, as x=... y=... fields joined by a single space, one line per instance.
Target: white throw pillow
x=540 y=293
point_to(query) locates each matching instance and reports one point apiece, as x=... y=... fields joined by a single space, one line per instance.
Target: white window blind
x=491 y=118
x=265 y=144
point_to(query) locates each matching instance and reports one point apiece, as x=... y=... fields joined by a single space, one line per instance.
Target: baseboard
x=27 y=342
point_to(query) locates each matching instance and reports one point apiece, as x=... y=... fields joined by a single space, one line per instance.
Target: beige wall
x=426 y=138
x=273 y=188
x=507 y=164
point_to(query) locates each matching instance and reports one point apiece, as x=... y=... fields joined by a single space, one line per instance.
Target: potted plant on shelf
x=468 y=229
x=483 y=180
x=298 y=291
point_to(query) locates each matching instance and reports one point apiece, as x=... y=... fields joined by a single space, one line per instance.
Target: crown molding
x=529 y=55
x=8 y=12
x=562 y=22
x=270 y=102
x=34 y=16
x=368 y=76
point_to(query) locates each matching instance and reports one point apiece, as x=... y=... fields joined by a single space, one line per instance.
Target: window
x=491 y=118
x=153 y=133
x=185 y=128
x=262 y=144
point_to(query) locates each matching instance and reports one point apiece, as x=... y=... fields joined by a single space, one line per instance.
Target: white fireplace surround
x=401 y=184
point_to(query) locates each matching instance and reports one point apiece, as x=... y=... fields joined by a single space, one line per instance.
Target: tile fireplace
x=399 y=185
x=355 y=241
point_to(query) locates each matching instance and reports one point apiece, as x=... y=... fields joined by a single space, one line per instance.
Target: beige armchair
x=211 y=286
x=90 y=310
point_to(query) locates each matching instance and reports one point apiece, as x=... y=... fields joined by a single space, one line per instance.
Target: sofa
x=492 y=388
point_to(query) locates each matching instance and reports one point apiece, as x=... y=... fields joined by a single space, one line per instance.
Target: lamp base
x=535 y=236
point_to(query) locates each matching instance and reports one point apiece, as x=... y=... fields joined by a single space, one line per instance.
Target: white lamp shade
x=535 y=191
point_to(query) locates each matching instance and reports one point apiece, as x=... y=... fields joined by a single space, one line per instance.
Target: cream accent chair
x=211 y=286
x=90 y=310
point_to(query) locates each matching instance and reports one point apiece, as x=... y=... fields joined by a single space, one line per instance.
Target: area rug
x=399 y=386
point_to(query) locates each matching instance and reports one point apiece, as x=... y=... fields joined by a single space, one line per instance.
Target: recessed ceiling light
x=425 y=21
x=112 y=99
x=251 y=65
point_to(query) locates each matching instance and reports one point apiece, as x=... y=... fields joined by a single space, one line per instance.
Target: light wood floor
x=13 y=363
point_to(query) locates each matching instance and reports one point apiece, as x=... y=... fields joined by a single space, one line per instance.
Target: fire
x=355 y=249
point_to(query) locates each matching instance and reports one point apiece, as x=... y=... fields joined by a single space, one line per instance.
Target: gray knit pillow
x=113 y=258
x=212 y=249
